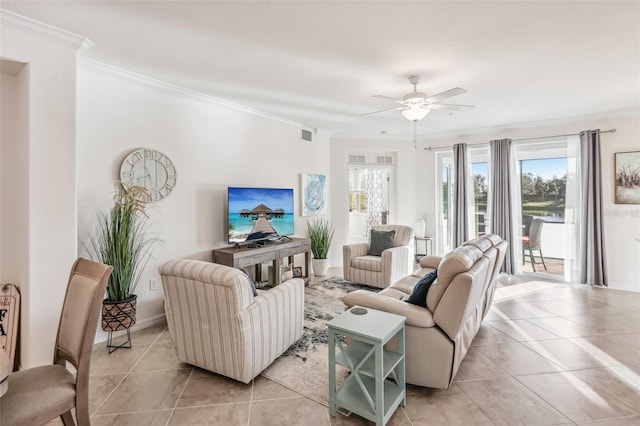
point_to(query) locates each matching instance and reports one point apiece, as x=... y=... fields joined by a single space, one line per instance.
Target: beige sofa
x=216 y=322
x=438 y=337
x=380 y=271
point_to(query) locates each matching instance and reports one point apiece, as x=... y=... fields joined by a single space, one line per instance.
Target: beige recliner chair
x=217 y=323
x=380 y=271
x=439 y=336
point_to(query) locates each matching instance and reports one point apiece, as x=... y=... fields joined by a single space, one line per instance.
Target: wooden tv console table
x=245 y=256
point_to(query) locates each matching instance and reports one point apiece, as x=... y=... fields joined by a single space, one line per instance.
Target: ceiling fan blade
x=447 y=94
x=389 y=98
x=384 y=110
x=452 y=107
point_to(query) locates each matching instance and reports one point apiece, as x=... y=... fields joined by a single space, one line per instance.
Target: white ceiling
x=319 y=62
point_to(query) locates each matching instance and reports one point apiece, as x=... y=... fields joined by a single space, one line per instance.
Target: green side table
x=376 y=385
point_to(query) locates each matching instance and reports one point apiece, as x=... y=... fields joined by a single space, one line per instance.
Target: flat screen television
x=256 y=214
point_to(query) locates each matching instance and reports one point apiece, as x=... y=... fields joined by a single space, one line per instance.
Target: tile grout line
x=543 y=399
x=173 y=410
x=253 y=382
x=128 y=372
x=132 y=412
x=406 y=415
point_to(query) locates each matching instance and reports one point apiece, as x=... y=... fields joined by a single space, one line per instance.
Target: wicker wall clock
x=151 y=170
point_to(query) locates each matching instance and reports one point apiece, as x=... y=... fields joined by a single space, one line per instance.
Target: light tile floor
x=547 y=354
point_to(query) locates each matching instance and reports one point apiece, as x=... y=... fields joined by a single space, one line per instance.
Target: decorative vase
x=320 y=267
x=120 y=315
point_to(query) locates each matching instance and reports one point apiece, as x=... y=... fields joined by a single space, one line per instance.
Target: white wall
x=622 y=222
x=213 y=147
x=41 y=151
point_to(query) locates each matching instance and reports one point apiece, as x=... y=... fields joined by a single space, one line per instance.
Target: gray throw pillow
x=380 y=241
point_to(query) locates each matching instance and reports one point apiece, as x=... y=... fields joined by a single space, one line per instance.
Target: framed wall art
x=314 y=194
x=627 y=169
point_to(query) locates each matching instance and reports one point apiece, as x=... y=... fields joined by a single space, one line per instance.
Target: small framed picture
x=627 y=177
x=297 y=271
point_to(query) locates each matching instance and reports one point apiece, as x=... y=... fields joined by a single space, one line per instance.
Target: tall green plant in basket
x=320 y=235
x=121 y=241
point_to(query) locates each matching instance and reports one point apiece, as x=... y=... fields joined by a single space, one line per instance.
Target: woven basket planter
x=119 y=315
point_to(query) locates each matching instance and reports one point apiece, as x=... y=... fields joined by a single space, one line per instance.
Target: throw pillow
x=420 y=290
x=380 y=241
x=253 y=285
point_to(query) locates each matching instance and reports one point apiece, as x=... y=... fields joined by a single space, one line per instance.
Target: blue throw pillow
x=380 y=241
x=420 y=290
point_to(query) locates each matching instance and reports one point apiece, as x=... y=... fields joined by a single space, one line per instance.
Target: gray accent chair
x=40 y=394
x=533 y=241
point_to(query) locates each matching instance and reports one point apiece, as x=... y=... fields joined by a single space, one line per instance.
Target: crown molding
x=184 y=91
x=508 y=130
x=47 y=31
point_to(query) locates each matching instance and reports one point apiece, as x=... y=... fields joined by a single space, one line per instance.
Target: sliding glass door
x=547 y=173
x=548 y=177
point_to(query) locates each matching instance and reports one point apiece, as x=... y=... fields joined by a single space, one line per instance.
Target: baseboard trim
x=101 y=336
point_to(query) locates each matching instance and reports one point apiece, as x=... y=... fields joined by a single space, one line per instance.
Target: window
x=548 y=175
x=358 y=196
x=480 y=176
x=358 y=201
x=370 y=193
x=478 y=185
x=445 y=181
x=543 y=187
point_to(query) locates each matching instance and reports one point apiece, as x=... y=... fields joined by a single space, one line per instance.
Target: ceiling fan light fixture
x=414 y=97
x=415 y=113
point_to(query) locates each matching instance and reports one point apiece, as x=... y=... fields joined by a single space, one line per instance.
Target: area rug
x=304 y=367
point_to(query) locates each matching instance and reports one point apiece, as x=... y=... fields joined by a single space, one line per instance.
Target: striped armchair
x=380 y=271
x=217 y=324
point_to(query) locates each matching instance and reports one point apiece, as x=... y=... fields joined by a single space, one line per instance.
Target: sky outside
x=545 y=168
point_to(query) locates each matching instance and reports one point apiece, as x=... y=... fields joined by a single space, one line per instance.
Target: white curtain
x=575 y=215
x=516 y=220
x=376 y=202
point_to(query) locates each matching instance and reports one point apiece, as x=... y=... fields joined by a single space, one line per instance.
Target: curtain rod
x=429 y=148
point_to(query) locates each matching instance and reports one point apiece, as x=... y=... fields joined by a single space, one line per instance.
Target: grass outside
x=543 y=208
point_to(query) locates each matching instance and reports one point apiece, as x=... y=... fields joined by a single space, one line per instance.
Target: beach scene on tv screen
x=259 y=213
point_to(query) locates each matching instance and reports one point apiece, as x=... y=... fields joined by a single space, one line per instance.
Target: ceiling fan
x=416 y=105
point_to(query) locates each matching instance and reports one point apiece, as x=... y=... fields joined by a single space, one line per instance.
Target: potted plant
x=122 y=242
x=320 y=234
